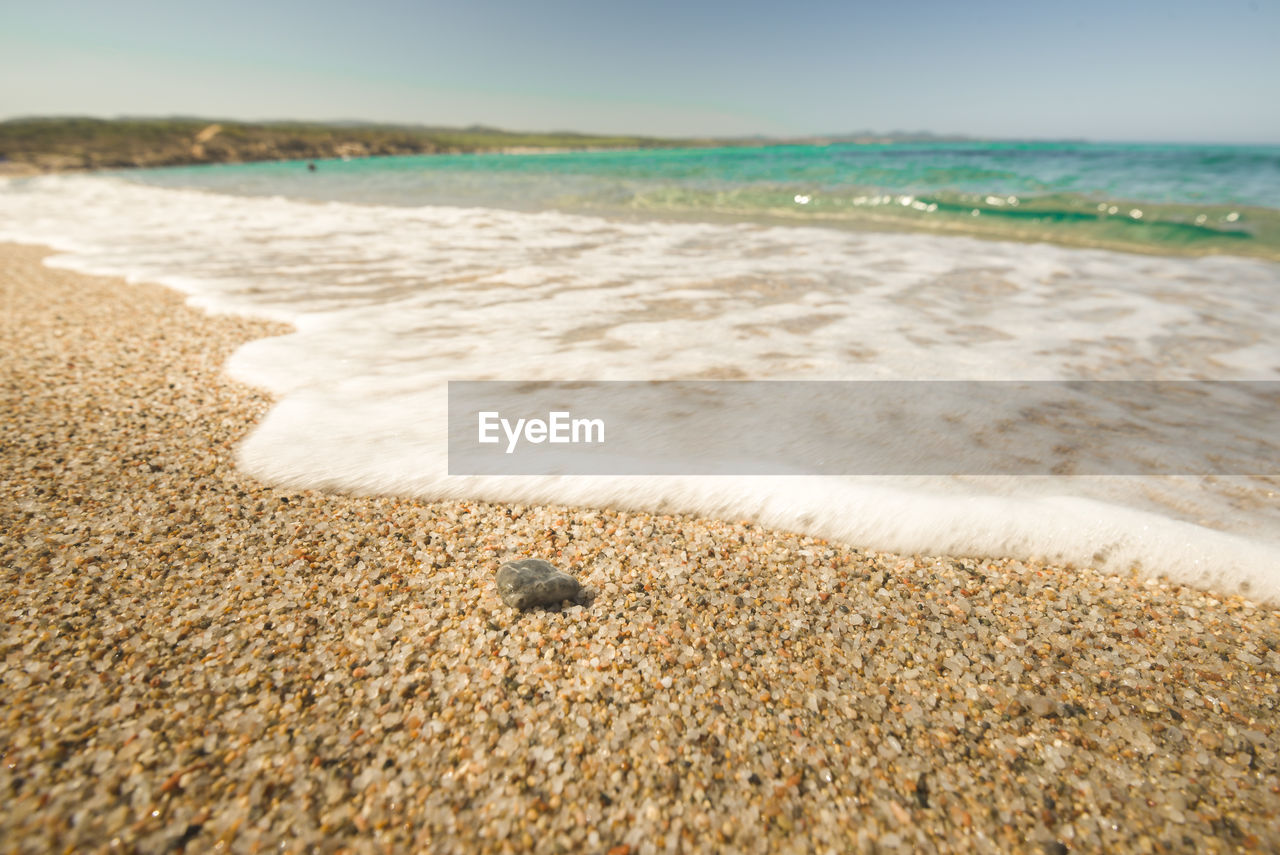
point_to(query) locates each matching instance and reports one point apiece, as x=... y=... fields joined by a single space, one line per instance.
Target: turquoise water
x=1155 y=198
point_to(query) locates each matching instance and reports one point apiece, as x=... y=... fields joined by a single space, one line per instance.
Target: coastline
x=58 y=144
x=1263 y=244
x=192 y=657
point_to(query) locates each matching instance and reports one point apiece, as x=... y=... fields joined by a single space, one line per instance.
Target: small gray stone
x=533 y=582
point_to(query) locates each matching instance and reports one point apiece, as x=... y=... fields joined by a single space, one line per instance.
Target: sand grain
x=189 y=657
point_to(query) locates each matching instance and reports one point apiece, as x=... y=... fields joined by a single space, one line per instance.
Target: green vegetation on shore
x=56 y=144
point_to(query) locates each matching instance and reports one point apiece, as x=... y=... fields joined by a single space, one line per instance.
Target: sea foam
x=390 y=303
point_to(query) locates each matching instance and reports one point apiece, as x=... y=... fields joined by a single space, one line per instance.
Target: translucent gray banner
x=864 y=428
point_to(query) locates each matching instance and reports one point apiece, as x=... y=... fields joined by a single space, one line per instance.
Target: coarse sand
x=192 y=660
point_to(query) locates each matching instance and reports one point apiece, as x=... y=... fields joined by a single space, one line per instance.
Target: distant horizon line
x=867 y=136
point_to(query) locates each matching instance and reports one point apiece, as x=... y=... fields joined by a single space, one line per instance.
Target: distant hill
x=31 y=145
x=851 y=138
x=58 y=144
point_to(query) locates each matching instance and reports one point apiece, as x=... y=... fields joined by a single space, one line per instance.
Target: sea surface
x=937 y=261
x=1150 y=198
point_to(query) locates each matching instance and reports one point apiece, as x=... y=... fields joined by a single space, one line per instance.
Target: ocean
x=895 y=262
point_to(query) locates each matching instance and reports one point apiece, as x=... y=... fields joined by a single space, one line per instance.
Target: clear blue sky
x=1205 y=70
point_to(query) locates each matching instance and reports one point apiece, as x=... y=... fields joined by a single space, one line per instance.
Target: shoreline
x=73 y=143
x=195 y=658
x=890 y=220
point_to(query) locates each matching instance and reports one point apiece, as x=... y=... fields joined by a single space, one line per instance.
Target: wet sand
x=192 y=658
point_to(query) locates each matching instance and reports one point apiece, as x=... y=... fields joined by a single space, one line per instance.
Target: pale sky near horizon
x=1181 y=70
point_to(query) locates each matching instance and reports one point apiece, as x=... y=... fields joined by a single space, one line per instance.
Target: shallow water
x=1151 y=198
x=392 y=301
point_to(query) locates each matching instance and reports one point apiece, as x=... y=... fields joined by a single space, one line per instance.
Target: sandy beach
x=195 y=660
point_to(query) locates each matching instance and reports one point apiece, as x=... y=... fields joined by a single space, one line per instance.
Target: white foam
x=390 y=303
